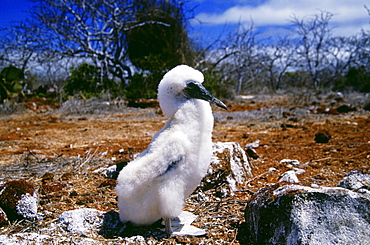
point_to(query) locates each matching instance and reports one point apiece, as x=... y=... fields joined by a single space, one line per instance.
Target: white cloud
x=349 y=16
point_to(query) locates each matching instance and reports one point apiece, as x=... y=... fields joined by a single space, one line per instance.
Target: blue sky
x=271 y=17
x=12 y=10
x=214 y=17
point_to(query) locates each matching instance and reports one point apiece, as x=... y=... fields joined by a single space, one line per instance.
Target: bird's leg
x=167 y=224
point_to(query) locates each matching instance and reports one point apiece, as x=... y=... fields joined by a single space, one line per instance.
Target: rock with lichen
x=19 y=200
x=356 y=181
x=229 y=168
x=296 y=214
x=84 y=221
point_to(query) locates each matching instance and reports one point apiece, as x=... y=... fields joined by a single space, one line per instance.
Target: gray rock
x=111 y=225
x=111 y=172
x=289 y=176
x=356 y=181
x=229 y=167
x=295 y=214
x=84 y=221
x=27 y=206
x=91 y=222
x=253 y=145
x=290 y=161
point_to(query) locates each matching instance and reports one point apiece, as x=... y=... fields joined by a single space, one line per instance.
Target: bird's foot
x=167 y=224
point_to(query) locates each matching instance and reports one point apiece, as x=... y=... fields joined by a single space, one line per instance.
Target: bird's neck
x=195 y=115
x=194 y=118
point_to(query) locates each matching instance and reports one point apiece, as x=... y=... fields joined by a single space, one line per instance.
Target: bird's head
x=180 y=84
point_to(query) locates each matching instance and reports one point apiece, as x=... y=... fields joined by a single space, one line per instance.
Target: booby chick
x=156 y=183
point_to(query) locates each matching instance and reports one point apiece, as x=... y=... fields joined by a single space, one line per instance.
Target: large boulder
x=296 y=214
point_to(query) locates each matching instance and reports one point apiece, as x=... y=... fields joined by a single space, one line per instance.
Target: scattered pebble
x=322 y=137
x=291 y=162
x=253 y=145
x=315 y=186
x=289 y=176
x=252 y=153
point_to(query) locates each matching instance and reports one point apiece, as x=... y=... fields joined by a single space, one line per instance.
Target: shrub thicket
x=142 y=86
x=87 y=81
x=357 y=79
x=11 y=83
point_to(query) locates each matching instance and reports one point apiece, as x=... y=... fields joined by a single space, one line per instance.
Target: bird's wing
x=171 y=166
x=164 y=154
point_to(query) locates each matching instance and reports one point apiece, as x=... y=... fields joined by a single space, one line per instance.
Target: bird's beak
x=196 y=90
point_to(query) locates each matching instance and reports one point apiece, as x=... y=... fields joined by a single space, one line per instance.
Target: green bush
x=162 y=42
x=11 y=83
x=86 y=80
x=357 y=79
x=143 y=86
x=214 y=84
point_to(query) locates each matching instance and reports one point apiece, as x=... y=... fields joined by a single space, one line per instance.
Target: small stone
x=252 y=153
x=111 y=172
x=181 y=225
x=346 y=108
x=289 y=176
x=322 y=137
x=299 y=171
x=201 y=197
x=291 y=162
x=139 y=240
x=253 y=145
x=47 y=177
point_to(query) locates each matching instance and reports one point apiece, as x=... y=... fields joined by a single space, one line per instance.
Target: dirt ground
x=40 y=136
